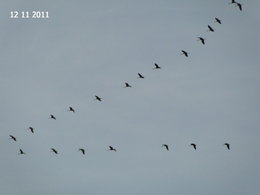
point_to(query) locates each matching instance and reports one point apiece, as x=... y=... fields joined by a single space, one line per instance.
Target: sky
x=87 y=48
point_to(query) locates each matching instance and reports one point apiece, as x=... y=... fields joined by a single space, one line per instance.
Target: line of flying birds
x=127 y=85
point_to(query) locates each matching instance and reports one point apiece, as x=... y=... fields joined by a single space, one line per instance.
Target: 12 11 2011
x=27 y=14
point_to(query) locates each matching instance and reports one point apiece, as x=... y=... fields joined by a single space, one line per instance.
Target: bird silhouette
x=112 y=149
x=202 y=40
x=21 y=151
x=210 y=28
x=82 y=150
x=71 y=109
x=31 y=129
x=140 y=76
x=157 y=66
x=218 y=21
x=98 y=98
x=166 y=146
x=184 y=53
x=227 y=145
x=232 y=2
x=239 y=5
x=12 y=137
x=52 y=117
x=194 y=146
x=127 y=85
x=54 y=150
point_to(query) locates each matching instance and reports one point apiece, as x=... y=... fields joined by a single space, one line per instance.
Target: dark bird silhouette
x=239 y=5
x=98 y=98
x=210 y=28
x=218 y=20
x=166 y=146
x=82 y=150
x=112 y=149
x=53 y=150
x=21 y=151
x=184 y=53
x=156 y=66
x=194 y=146
x=202 y=40
x=140 y=76
x=228 y=145
x=127 y=85
x=232 y=1
x=52 y=117
x=12 y=137
x=31 y=129
x=71 y=109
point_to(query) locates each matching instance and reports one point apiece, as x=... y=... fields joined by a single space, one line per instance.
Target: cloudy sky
x=89 y=48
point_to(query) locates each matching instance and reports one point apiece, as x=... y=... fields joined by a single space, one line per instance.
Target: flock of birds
x=127 y=85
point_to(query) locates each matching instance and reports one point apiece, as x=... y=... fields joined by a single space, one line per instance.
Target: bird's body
x=227 y=145
x=194 y=146
x=202 y=40
x=156 y=66
x=140 y=76
x=218 y=20
x=31 y=129
x=210 y=28
x=112 y=149
x=82 y=150
x=166 y=146
x=12 y=137
x=21 y=151
x=127 y=85
x=52 y=117
x=98 y=98
x=54 y=150
x=71 y=109
x=185 y=53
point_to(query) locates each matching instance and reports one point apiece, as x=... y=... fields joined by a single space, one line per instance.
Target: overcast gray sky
x=89 y=48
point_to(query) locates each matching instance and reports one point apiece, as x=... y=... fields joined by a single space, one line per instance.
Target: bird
x=71 y=109
x=232 y=1
x=53 y=150
x=127 y=85
x=166 y=146
x=239 y=5
x=202 y=40
x=112 y=149
x=98 y=98
x=184 y=53
x=157 y=66
x=21 y=151
x=82 y=150
x=228 y=145
x=31 y=129
x=210 y=28
x=52 y=117
x=12 y=137
x=218 y=20
x=140 y=76
x=194 y=146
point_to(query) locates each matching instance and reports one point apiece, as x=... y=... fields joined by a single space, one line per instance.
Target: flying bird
x=218 y=20
x=21 y=151
x=166 y=146
x=71 y=109
x=156 y=66
x=184 y=53
x=52 y=117
x=194 y=146
x=239 y=5
x=112 y=149
x=202 y=40
x=228 y=145
x=210 y=28
x=140 y=76
x=127 y=85
x=98 y=98
x=82 y=150
x=53 y=150
x=31 y=129
x=12 y=137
